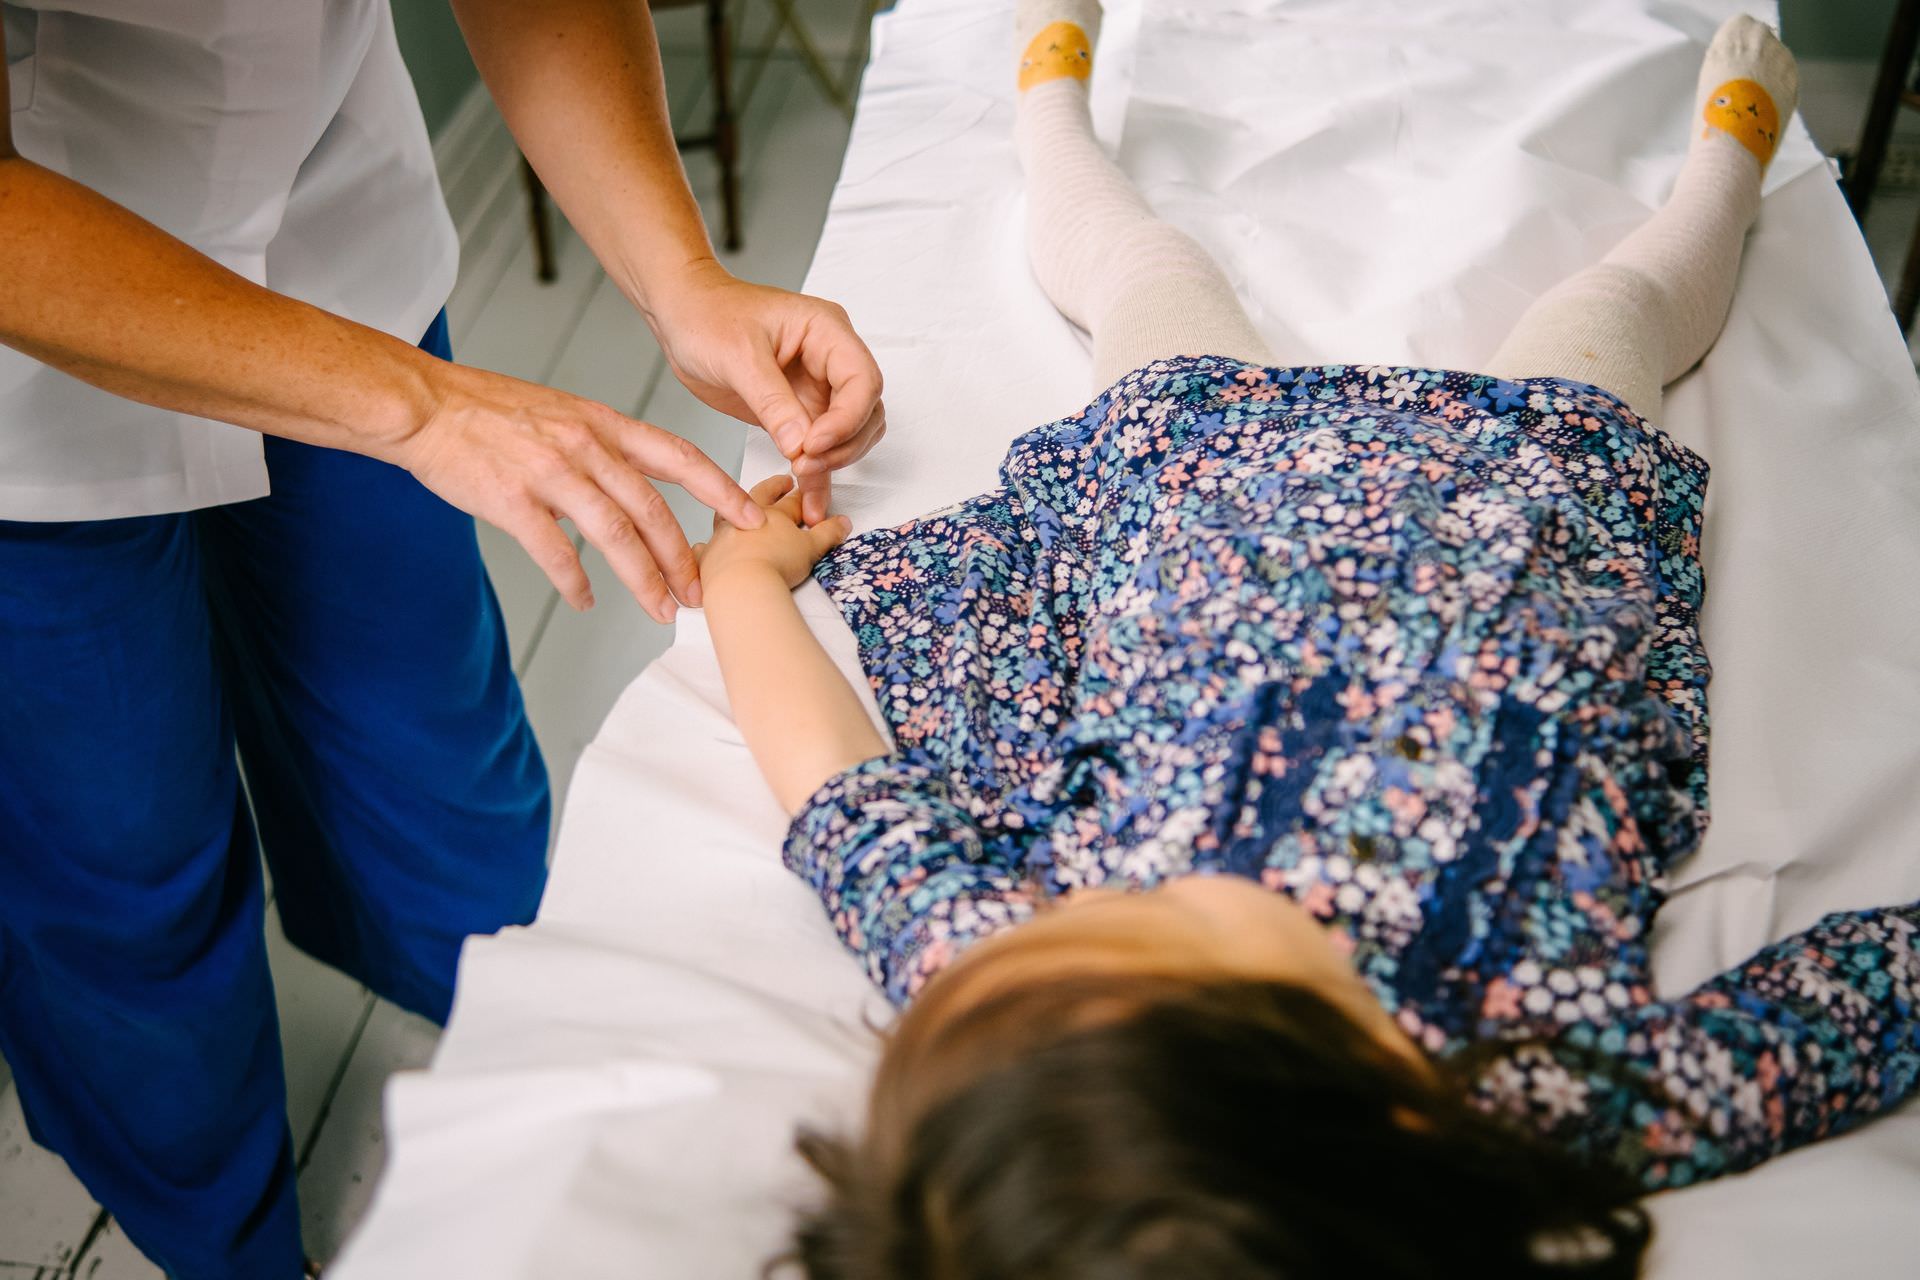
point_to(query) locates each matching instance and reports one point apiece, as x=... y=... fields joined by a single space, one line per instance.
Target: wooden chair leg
x=542 y=219
x=1903 y=40
x=1906 y=299
x=788 y=20
x=726 y=142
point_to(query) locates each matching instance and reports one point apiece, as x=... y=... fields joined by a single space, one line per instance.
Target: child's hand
x=781 y=545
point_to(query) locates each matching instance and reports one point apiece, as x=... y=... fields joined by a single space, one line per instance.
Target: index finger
x=666 y=456
x=772 y=489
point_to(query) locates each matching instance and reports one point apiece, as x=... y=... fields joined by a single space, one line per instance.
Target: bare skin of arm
x=580 y=84
x=92 y=289
x=801 y=719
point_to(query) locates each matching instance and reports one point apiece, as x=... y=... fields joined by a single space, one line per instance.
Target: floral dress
x=1417 y=649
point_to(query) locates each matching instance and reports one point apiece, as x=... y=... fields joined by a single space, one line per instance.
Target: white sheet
x=1386 y=180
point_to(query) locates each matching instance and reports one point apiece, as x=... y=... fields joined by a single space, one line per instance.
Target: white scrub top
x=283 y=139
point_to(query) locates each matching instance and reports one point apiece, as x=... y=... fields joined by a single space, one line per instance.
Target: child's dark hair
x=1211 y=1131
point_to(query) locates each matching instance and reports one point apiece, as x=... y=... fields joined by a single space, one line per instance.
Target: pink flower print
x=923 y=721
x=1318 y=901
x=1407 y=807
x=1249 y=376
x=1502 y=1001
x=1492 y=672
x=1358 y=702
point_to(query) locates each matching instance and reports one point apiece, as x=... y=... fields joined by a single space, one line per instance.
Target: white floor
x=579 y=334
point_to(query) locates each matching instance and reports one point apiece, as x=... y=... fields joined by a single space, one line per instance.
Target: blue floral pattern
x=1417 y=648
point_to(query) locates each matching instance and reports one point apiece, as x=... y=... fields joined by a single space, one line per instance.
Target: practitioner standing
x=234 y=462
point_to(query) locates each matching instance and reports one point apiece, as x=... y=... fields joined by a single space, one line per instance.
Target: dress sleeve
x=902 y=870
x=1809 y=1038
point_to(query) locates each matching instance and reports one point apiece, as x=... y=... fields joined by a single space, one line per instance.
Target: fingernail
x=586 y=604
x=693 y=593
x=755 y=517
x=789 y=436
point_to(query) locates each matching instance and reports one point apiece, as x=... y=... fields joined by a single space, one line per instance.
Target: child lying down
x=1288 y=766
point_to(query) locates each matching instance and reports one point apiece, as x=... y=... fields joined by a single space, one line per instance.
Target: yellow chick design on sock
x=1744 y=110
x=1056 y=51
x=1749 y=87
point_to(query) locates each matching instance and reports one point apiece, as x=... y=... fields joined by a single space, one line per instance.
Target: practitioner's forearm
x=801 y=719
x=95 y=290
x=580 y=85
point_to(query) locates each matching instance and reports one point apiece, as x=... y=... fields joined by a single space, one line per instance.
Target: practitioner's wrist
x=667 y=296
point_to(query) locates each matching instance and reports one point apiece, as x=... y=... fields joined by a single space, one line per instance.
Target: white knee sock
x=1142 y=289
x=1651 y=309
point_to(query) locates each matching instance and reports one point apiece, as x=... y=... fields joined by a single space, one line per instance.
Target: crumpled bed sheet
x=1387 y=180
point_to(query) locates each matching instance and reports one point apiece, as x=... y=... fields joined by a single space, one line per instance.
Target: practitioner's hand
x=521 y=456
x=788 y=362
x=783 y=546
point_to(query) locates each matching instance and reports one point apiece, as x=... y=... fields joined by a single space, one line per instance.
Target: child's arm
x=801 y=719
x=1809 y=1037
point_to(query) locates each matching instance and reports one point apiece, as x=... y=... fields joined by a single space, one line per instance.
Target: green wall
x=436 y=55
x=1836 y=28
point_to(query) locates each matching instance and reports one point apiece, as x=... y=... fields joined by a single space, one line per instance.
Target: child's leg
x=1651 y=309
x=1143 y=289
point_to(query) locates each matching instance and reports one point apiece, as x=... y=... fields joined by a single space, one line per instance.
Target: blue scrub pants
x=343 y=636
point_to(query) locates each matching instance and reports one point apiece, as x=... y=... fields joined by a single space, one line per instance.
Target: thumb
x=764 y=390
x=828 y=534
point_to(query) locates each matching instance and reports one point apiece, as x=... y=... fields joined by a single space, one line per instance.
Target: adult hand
x=522 y=456
x=788 y=362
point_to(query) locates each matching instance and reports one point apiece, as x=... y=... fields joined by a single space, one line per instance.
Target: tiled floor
x=579 y=334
